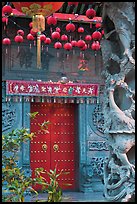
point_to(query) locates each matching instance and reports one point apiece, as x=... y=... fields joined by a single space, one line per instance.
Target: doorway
x=57 y=147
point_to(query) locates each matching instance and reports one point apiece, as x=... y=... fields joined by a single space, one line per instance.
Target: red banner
x=40 y=88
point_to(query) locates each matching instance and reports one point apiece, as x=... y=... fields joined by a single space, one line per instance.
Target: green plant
x=14 y=181
x=53 y=189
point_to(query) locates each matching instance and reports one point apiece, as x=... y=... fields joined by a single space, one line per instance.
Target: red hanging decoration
x=96 y=35
x=30 y=24
x=98 y=25
x=64 y=37
x=5 y=20
x=55 y=35
x=68 y=47
x=47 y=41
x=18 y=39
x=42 y=37
x=58 y=29
x=80 y=43
x=88 y=38
x=70 y=27
x=30 y=37
x=51 y=20
x=7 y=10
x=20 y=32
x=57 y=45
x=74 y=44
x=95 y=45
x=6 y=41
x=90 y=13
x=80 y=30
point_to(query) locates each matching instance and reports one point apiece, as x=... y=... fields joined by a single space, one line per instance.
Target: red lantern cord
x=18 y=39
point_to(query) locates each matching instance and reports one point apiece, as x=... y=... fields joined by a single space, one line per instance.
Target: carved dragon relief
x=119 y=124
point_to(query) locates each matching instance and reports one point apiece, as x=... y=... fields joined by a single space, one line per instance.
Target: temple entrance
x=57 y=146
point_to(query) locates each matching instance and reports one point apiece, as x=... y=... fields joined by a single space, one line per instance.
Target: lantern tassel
x=18 y=49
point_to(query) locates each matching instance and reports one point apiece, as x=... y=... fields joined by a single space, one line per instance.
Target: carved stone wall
x=118 y=50
x=93 y=147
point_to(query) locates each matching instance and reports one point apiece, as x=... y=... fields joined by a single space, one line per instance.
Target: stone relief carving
x=97 y=145
x=119 y=125
x=98 y=119
x=8 y=116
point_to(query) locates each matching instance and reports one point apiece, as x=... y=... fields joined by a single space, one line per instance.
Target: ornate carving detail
x=95 y=167
x=8 y=116
x=97 y=145
x=98 y=118
x=119 y=172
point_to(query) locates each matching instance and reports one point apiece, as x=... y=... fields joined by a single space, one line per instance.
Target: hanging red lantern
x=74 y=43
x=81 y=43
x=42 y=37
x=102 y=32
x=55 y=35
x=5 y=20
x=64 y=37
x=70 y=27
x=47 y=41
x=51 y=20
x=67 y=46
x=58 y=29
x=7 y=10
x=98 y=25
x=96 y=35
x=30 y=24
x=88 y=38
x=33 y=33
x=90 y=13
x=84 y=47
x=6 y=41
x=18 y=39
x=57 y=45
x=30 y=37
x=20 y=32
x=95 y=45
x=72 y=3
x=80 y=30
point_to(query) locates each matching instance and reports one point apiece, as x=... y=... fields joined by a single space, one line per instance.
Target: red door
x=56 y=147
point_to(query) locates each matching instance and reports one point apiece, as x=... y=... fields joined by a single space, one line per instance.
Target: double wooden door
x=56 y=148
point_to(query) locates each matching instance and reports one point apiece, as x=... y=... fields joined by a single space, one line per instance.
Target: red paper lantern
x=81 y=43
x=7 y=10
x=18 y=39
x=30 y=37
x=42 y=37
x=57 y=45
x=20 y=32
x=74 y=43
x=55 y=35
x=51 y=20
x=6 y=41
x=95 y=45
x=34 y=33
x=90 y=13
x=38 y=8
x=64 y=37
x=58 y=29
x=84 y=47
x=30 y=24
x=102 y=32
x=70 y=27
x=5 y=20
x=88 y=38
x=67 y=46
x=80 y=30
x=98 y=25
x=96 y=35
x=47 y=41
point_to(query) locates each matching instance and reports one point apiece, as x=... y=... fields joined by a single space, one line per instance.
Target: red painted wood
x=61 y=133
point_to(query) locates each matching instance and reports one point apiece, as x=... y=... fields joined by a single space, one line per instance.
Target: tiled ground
x=75 y=197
